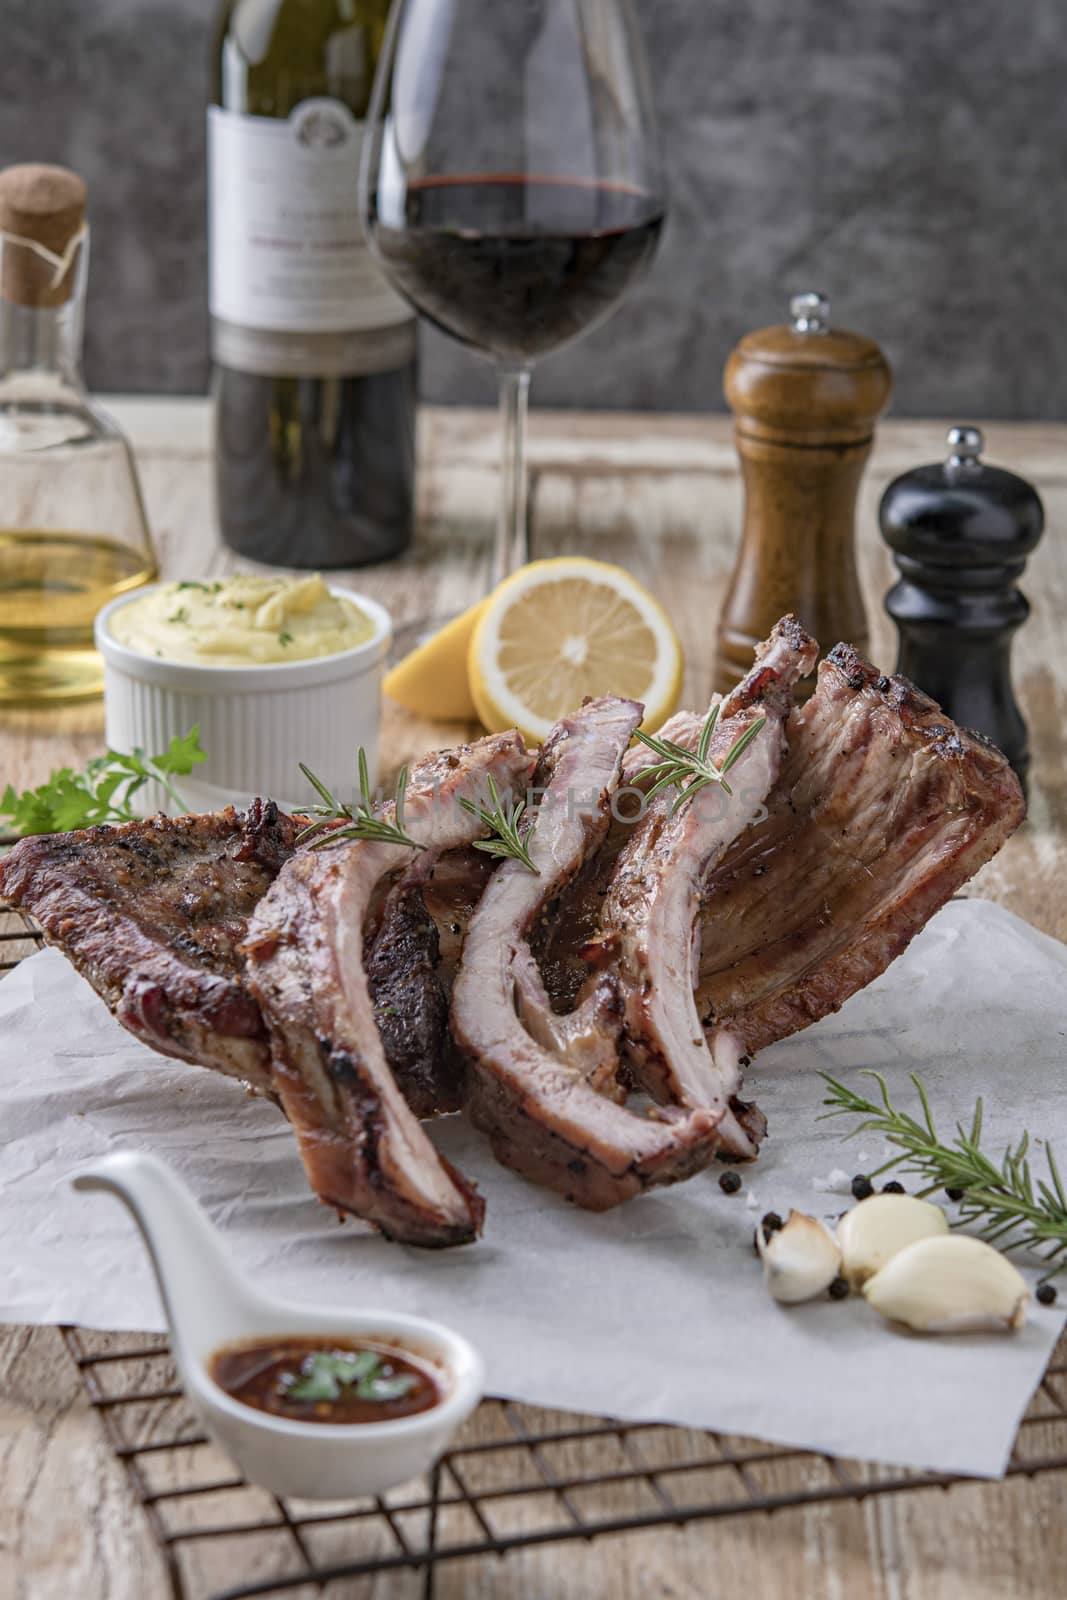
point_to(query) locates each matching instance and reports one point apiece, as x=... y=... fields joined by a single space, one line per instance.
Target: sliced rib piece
x=532 y=1075
x=651 y=908
x=586 y=1037
x=363 y=1149
x=152 y=914
x=883 y=809
x=569 y=943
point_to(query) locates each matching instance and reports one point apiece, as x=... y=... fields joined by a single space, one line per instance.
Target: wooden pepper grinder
x=805 y=397
x=961 y=532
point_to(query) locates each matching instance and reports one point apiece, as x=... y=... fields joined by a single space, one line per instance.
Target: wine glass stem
x=512 y=535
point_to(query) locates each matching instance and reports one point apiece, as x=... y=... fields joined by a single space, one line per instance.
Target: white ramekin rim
x=267 y=676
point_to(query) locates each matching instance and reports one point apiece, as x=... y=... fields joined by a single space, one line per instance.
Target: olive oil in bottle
x=52 y=584
x=73 y=532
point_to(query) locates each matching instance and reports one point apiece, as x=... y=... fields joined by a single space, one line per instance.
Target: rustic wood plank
x=661 y=495
x=67 y=1526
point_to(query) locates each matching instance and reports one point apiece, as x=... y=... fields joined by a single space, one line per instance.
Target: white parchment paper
x=655 y=1311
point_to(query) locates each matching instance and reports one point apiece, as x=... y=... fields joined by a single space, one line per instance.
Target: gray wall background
x=907 y=156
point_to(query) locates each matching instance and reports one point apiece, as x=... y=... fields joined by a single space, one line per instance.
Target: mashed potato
x=241 y=621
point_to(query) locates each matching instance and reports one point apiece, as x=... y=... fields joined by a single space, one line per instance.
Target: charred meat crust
x=651 y=906
x=152 y=914
x=402 y=961
x=883 y=810
x=363 y=1104
x=362 y=1148
x=521 y=1140
x=534 y=1099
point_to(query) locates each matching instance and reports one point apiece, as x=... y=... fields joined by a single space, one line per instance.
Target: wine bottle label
x=288 y=258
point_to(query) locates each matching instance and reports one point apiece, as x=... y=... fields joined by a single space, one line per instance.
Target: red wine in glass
x=518 y=266
x=511 y=184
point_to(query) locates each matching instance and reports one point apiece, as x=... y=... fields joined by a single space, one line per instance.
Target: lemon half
x=559 y=630
x=432 y=680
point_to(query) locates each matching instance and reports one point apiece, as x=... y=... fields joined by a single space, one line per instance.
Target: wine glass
x=511 y=185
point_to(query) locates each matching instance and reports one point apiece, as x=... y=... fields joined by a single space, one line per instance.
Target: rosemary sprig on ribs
x=362 y=822
x=690 y=771
x=503 y=819
x=1013 y=1209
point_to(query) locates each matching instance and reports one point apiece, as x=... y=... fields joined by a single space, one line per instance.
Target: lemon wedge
x=559 y=630
x=432 y=680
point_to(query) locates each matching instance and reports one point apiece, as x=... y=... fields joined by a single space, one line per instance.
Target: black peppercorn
x=862 y=1187
x=730 y=1182
x=955 y=1194
x=1046 y=1294
x=893 y=1187
x=838 y=1290
x=770 y=1223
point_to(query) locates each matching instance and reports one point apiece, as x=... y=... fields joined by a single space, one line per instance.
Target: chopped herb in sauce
x=324 y=1380
x=325 y=1375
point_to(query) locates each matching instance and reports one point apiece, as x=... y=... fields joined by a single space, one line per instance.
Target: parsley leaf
x=324 y=1375
x=103 y=792
x=394 y=1388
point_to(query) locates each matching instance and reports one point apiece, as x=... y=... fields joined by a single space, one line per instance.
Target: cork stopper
x=42 y=217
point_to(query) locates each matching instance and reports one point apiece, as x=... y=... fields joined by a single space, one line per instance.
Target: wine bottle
x=314 y=353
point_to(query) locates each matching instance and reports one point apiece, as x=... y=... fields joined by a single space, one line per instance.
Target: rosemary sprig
x=689 y=770
x=504 y=820
x=1013 y=1209
x=361 y=823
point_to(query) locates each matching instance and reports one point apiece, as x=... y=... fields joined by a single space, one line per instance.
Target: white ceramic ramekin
x=256 y=722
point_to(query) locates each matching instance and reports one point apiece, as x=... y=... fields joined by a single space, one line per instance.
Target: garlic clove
x=800 y=1260
x=877 y=1228
x=949 y=1284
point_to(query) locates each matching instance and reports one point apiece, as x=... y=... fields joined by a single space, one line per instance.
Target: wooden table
x=660 y=495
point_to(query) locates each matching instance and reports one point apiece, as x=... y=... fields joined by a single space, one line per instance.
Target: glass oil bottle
x=73 y=529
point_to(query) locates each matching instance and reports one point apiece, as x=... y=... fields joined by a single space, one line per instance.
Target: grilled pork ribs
x=153 y=914
x=652 y=951
x=362 y=1147
x=882 y=812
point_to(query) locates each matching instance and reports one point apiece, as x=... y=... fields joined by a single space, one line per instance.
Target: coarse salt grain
x=839 y=1182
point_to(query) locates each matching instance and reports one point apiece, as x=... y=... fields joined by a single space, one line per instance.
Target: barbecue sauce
x=324 y=1380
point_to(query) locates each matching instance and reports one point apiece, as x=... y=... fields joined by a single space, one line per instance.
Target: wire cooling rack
x=518 y=1476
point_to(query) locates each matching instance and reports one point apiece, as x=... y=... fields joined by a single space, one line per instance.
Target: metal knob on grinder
x=805 y=397
x=960 y=532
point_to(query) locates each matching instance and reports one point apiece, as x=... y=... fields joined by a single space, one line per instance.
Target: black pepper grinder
x=961 y=532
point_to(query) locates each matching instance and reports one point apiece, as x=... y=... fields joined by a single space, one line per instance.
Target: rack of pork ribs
x=593 y=1017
